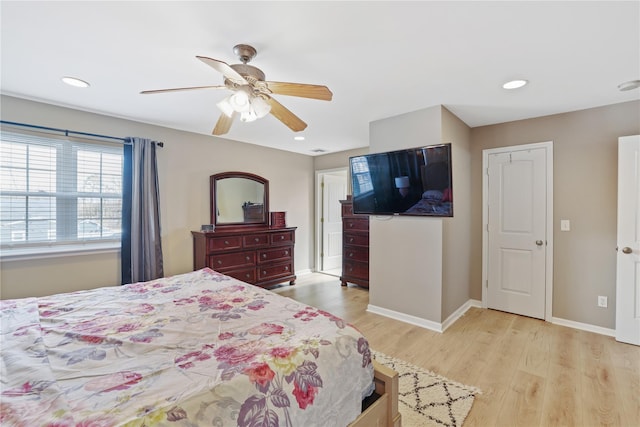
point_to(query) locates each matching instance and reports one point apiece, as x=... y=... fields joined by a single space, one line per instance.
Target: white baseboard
x=424 y=323
x=460 y=312
x=406 y=318
x=584 y=326
x=304 y=272
x=441 y=327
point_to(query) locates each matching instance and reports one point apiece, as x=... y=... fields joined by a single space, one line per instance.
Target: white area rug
x=428 y=399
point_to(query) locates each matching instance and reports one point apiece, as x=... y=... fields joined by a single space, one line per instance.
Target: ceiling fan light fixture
x=260 y=107
x=225 y=107
x=248 y=116
x=240 y=101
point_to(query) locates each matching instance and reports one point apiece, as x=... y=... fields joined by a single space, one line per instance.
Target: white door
x=517 y=234
x=628 y=259
x=334 y=189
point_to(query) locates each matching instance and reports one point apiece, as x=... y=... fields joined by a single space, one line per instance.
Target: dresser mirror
x=239 y=199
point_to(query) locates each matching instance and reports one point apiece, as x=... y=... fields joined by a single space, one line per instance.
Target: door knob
x=627 y=250
x=539 y=242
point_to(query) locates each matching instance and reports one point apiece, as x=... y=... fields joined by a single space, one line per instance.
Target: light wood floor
x=531 y=373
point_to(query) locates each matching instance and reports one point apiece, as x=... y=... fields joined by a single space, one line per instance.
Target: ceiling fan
x=252 y=95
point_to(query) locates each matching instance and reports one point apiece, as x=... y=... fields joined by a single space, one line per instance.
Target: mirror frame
x=213 y=182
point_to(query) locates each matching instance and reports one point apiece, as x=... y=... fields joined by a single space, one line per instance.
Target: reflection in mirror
x=238 y=199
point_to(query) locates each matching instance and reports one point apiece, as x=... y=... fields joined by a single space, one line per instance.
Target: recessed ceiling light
x=631 y=84
x=72 y=81
x=299 y=138
x=514 y=84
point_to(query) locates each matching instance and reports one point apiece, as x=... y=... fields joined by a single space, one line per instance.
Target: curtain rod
x=68 y=132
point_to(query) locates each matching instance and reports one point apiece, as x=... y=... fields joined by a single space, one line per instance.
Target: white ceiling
x=379 y=58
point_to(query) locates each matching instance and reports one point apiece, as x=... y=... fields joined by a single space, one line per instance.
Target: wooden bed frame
x=383 y=411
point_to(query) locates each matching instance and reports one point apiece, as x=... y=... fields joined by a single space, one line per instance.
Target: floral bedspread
x=194 y=349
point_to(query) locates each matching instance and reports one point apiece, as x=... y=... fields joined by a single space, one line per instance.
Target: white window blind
x=58 y=190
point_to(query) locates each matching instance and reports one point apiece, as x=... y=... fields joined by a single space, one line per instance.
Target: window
x=362 y=178
x=56 y=190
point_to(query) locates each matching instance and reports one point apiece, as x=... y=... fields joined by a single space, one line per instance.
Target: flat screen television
x=414 y=181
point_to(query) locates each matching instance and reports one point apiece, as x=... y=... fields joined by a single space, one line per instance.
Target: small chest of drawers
x=260 y=256
x=355 y=246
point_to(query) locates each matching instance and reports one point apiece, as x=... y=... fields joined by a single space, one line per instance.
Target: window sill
x=21 y=254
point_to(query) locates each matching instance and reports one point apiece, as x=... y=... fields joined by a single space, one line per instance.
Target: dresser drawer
x=223 y=262
x=216 y=244
x=271 y=255
x=260 y=255
x=246 y=274
x=355 y=253
x=355 y=269
x=347 y=209
x=355 y=224
x=255 y=240
x=285 y=237
x=361 y=239
x=267 y=272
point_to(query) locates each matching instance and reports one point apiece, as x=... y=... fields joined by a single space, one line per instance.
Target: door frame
x=319 y=207
x=548 y=146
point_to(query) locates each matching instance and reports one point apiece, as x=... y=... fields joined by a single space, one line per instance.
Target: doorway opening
x=331 y=187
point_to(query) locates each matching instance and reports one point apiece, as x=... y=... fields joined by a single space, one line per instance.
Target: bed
x=433 y=202
x=199 y=348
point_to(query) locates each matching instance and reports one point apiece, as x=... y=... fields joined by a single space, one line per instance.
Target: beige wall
x=456 y=267
x=337 y=160
x=185 y=164
x=585 y=192
x=419 y=283
x=405 y=267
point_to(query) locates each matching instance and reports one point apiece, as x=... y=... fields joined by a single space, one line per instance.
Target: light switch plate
x=565 y=225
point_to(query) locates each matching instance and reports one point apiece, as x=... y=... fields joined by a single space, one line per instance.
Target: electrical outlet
x=602 y=301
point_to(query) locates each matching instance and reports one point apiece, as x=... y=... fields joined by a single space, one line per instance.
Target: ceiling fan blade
x=302 y=90
x=177 y=89
x=285 y=116
x=223 y=124
x=225 y=69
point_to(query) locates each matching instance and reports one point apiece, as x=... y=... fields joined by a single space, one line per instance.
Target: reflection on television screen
x=415 y=181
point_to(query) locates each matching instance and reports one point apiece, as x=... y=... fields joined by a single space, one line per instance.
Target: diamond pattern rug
x=428 y=399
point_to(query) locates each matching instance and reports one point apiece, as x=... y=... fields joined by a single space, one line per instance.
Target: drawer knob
x=264 y=273
x=286 y=268
x=248 y=276
x=226 y=242
x=219 y=262
x=264 y=255
x=281 y=237
x=256 y=240
x=248 y=258
x=350 y=254
x=286 y=252
x=351 y=240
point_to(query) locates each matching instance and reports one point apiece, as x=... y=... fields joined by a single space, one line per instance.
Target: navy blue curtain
x=141 y=243
x=125 y=250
